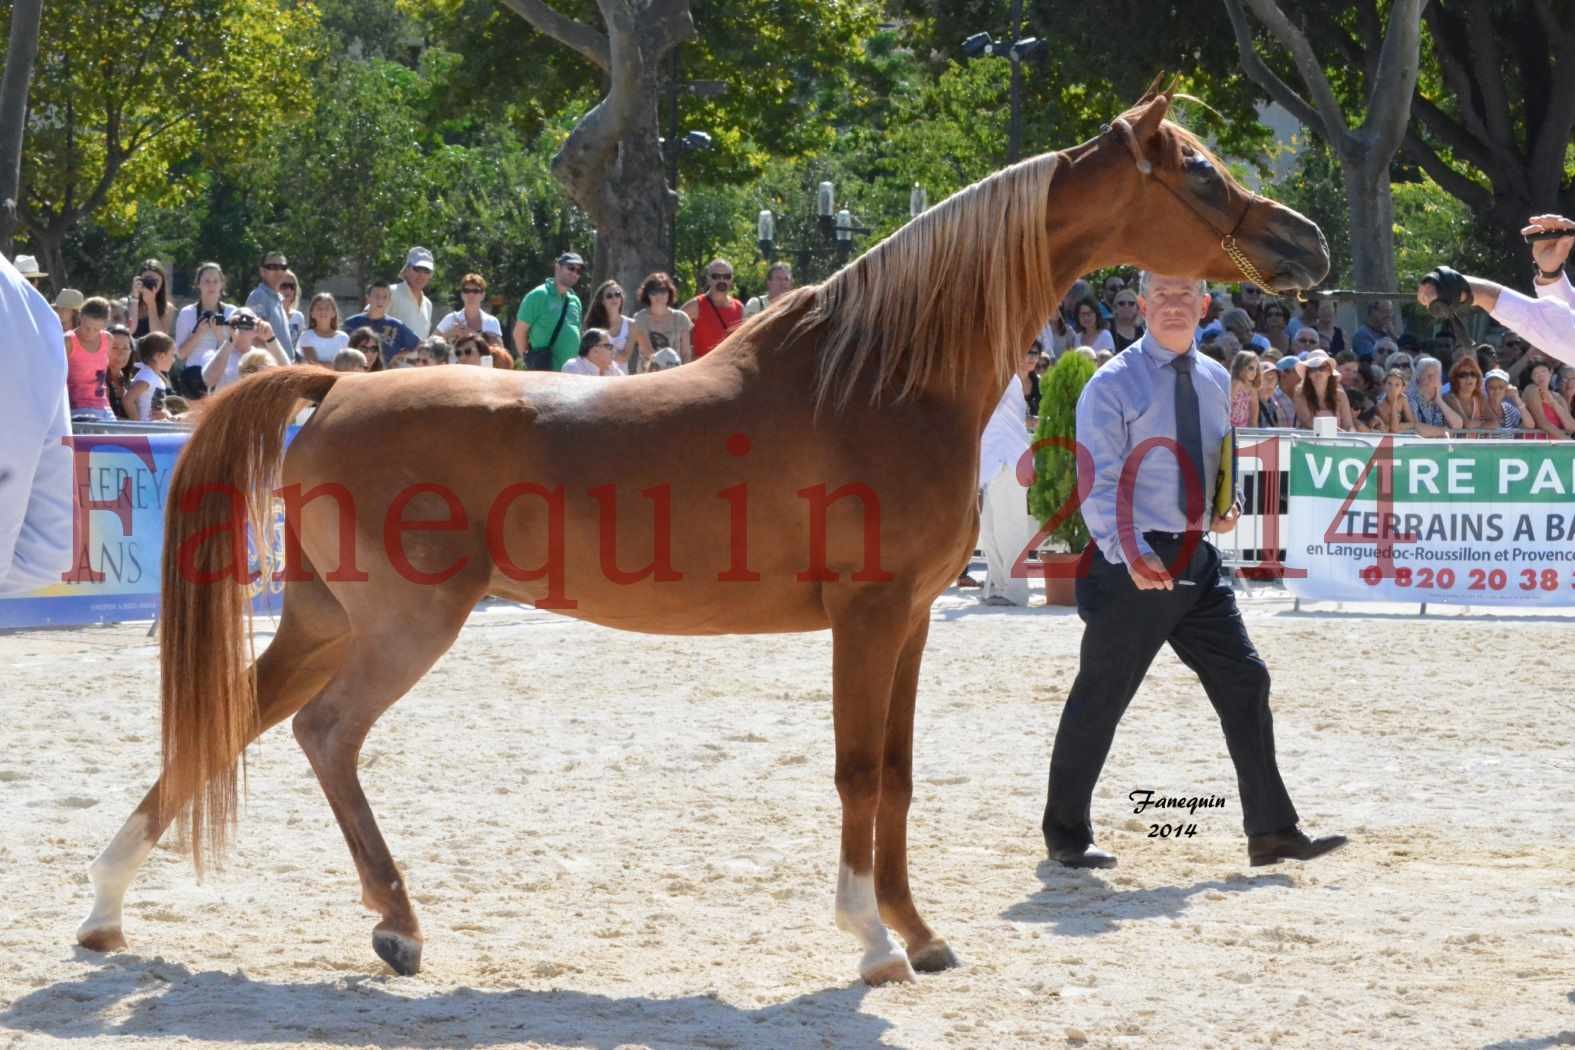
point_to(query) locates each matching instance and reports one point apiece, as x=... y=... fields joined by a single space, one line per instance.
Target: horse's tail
x=222 y=483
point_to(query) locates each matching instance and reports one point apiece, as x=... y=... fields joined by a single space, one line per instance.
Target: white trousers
x=1005 y=528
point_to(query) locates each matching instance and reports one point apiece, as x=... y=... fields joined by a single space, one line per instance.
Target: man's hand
x=1226 y=522
x=264 y=332
x=1149 y=574
x=1550 y=255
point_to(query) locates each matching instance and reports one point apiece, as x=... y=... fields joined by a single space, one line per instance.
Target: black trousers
x=1125 y=628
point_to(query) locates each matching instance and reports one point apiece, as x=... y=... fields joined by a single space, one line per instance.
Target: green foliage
x=1055 y=462
x=131 y=102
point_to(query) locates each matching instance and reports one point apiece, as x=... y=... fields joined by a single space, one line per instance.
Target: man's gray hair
x=1146 y=278
x=1425 y=364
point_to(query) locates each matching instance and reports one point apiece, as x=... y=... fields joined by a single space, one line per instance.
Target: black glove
x=1453 y=289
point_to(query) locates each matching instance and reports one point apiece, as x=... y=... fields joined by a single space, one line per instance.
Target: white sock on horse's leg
x=111 y=873
x=858 y=913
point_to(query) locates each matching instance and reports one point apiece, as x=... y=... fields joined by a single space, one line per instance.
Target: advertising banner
x=1464 y=522
x=117 y=537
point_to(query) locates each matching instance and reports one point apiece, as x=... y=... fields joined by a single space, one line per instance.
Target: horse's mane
x=922 y=303
x=962 y=277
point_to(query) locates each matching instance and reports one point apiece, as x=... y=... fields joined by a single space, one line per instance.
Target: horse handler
x=35 y=461
x=1152 y=579
x=1546 y=322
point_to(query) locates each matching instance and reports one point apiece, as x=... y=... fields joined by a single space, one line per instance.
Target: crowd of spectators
x=146 y=358
x=1291 y=364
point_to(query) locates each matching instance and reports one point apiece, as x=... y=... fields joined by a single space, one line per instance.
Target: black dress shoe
x=1290 y=844
x=1083 y=857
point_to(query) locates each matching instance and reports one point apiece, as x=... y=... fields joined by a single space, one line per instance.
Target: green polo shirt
x=540 y=310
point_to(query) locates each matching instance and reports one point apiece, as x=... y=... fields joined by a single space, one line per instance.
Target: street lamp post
x=1019 y=48
x=835 y=228
x=673 y=146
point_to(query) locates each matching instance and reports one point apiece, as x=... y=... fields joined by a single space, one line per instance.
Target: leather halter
x=1228 y=244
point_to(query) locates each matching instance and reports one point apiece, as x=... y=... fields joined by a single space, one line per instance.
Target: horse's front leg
x=926 y=951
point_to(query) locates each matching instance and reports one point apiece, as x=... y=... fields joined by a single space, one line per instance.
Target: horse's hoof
x=101 y=939
x=934 y=957
x=398 y=951
x=887 y=968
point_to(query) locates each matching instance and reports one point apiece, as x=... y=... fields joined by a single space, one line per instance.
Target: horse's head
x=1187 y=215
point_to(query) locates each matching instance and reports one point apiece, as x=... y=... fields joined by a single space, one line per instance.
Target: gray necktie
x=1189 y=438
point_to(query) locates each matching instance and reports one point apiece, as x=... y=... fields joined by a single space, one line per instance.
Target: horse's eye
x=1197 y=165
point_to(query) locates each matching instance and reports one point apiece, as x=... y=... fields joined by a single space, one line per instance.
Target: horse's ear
x=1149 y=119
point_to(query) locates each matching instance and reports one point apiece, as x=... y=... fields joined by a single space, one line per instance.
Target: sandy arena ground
x=617 y=840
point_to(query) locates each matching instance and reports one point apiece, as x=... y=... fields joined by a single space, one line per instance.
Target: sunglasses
x=1126 y=302
x=613 y=295
x=720 y=276
x=472 y=291
x=287 y=287
x=275 y=266
x=572 y=267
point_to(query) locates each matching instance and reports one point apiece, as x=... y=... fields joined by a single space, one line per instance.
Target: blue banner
x=121 y=482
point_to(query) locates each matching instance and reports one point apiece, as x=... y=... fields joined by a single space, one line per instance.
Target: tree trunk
x=629 y=203
x=1372 y=223
x=21 y=50
x=49 y=244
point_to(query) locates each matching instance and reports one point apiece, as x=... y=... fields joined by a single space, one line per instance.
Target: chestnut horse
x=818 y=469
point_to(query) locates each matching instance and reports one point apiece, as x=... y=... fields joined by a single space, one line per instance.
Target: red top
x=714 y=323
x=86 y=371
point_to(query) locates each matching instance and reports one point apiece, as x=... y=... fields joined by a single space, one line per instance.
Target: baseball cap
x=419 y=258
x=1286 y=364
x=1497 y=373
x=571 y=259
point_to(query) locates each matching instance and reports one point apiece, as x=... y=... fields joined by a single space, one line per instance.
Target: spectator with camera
x=267 y=304
x=87 y=363
x=470 y=317
x=145 y=396
x=199 y=327
x=150 y=307
x=394 y=337
x=408 y=300
x=246 y=332
x=322 y=338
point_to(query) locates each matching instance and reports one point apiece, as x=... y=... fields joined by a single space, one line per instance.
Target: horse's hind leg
x=926 y=951
x=384 y=661
x=307 y=649
x=867 y=632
